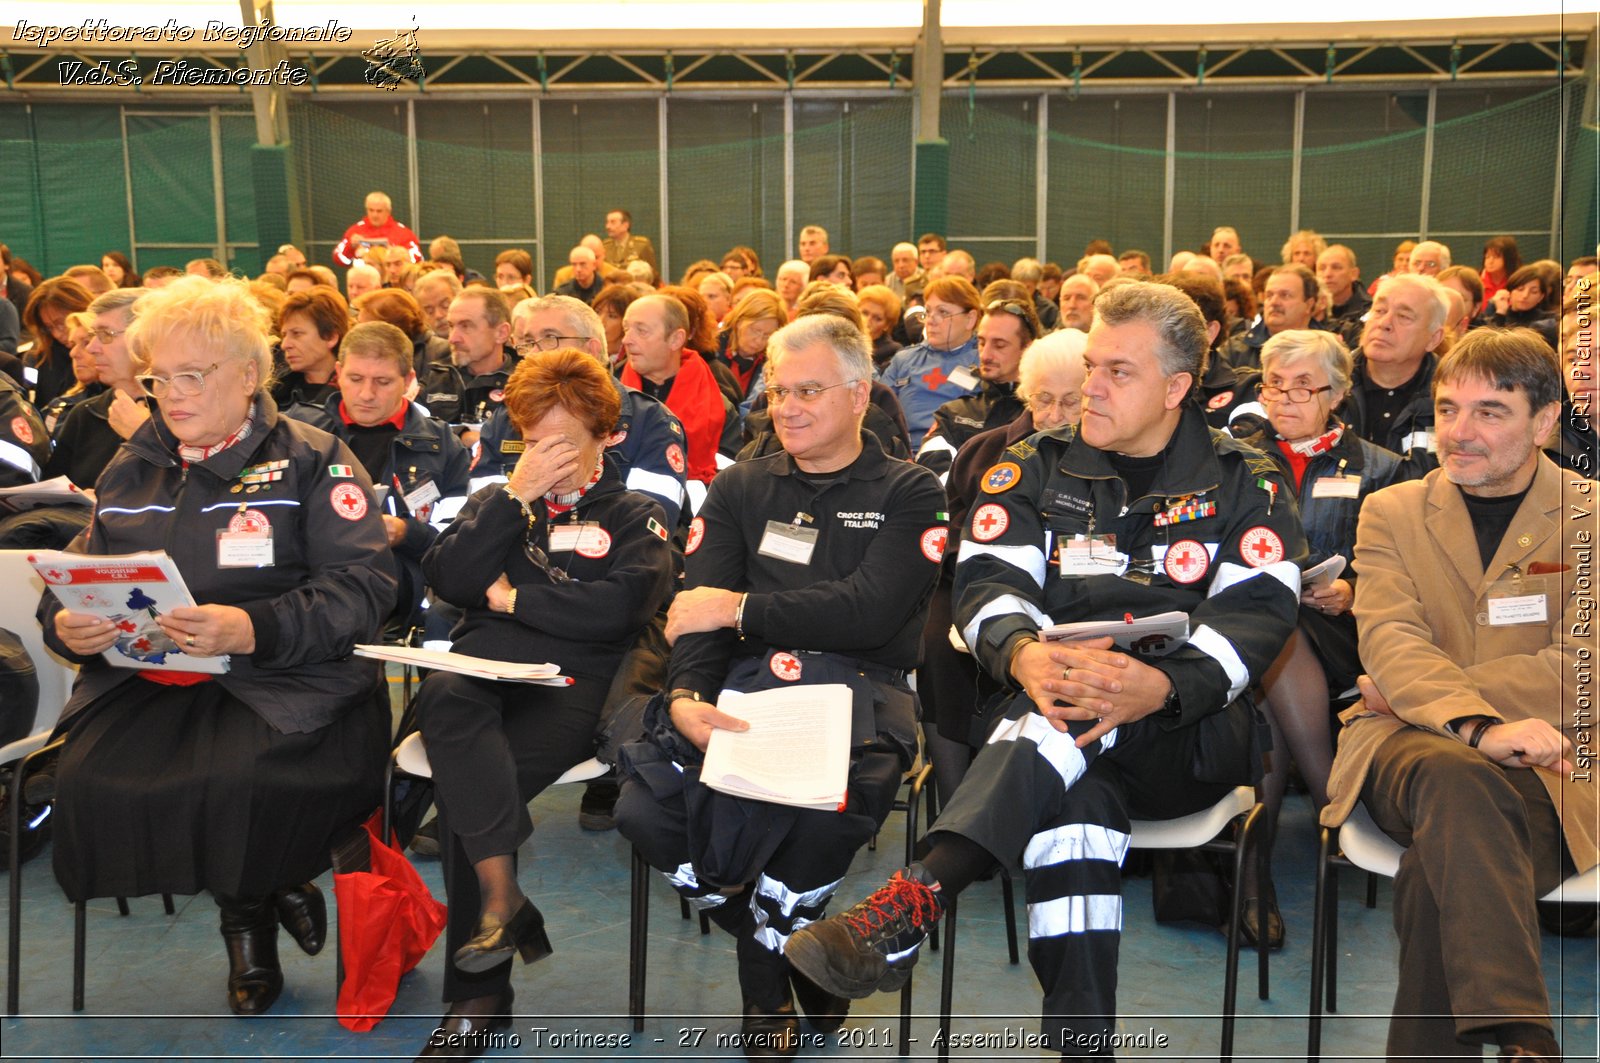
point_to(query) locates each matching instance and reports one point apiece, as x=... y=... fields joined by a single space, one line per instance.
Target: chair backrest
x=18 y=603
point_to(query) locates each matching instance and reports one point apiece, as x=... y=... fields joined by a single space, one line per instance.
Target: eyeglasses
x=942 y=314
x=1015 y=309
x=541 y=561
x=806 y=393
x=1046 y=401
x=546 y=341
x=1272 y=394
x=105 y=335
x=179 y=384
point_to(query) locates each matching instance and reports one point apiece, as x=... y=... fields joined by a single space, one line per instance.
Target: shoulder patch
x=1260 y=547
x=1021 y=450
x=1002 y=477
x=697 y=531
x=1260 y=464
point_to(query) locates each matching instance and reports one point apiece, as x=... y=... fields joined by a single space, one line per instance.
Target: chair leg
x=14 y=875
x=1009 y=899
x=1319 y=943
x=79 y=919
x=166 y=903
x=1372 y=890
x=705 y=924
x=947 y=981
x=638 y=931
x=683 y=908
x=388 y=801
x=905 y=1017
x=1263 y=874
x=1333 y=938
x=122 y=907
x=1230 y=978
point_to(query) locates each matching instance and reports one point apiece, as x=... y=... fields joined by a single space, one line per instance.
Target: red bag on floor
x=387 y=922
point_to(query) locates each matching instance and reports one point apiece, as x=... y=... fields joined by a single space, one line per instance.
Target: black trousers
x=795 y=883
x=493 y=748
x=1066 y=812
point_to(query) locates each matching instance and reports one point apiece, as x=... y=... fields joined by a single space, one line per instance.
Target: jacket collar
x=871 y=464
x=1190 y=469
x=155 y=443
x=1536 y=520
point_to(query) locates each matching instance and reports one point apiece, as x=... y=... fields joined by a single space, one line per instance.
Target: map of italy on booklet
x=130 y=590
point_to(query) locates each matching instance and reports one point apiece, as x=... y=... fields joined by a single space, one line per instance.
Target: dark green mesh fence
x=478 y=166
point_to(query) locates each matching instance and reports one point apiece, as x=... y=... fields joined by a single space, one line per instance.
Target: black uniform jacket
x=329 y=587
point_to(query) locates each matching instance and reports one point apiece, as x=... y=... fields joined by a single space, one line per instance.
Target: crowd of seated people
x=572 y=477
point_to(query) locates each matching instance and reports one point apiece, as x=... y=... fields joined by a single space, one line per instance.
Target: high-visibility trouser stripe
x=1075 y=841
x=688 y=886
x=780 y=911
x=1074 y=915
x=1057 y=747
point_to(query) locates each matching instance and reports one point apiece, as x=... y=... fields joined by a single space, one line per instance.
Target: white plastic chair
x=1363 y=845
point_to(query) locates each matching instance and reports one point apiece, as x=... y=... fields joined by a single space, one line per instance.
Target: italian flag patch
x=341 y=470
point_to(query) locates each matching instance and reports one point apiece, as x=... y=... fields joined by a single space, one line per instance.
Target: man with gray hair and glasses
x=810 y=565
x=1141 y=510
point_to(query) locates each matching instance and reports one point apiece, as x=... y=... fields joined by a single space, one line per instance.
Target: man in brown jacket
x=1471 y=746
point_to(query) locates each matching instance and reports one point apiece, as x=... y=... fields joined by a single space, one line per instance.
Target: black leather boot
x=303 y=912
x=250 y=932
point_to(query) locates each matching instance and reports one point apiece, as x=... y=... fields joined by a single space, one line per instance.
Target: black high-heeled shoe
x=250 y=933
x=494 y=942
x=468 y=1028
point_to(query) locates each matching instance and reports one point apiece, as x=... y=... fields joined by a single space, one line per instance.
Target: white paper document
x=481 y=667
x=56 y=491
x=796 y=752
x=1320 y=575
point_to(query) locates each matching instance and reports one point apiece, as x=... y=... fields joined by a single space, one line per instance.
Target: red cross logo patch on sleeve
x=675 y=457
x=1219 y=400
x=697 y=531
x=934 y=540
x=22 y=430
x=1260 y=547
x=349 y=501
x=989 y=522
x=1186 y=561
x=785 y=666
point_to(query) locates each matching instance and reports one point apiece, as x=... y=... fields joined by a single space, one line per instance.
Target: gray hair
x=1304 y=344
x=844 y=338
x=1027 y=270
x=1438 y=304
x=440 y=276
x=1178 y=322
x=1059 y=350
x=361 y=269
x=581 y=318
x=116 y=299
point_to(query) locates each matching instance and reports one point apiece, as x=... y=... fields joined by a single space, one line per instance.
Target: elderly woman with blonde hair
x=227 y=745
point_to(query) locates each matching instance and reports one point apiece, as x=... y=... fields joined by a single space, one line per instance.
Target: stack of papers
x=480 y=667
x=57 y=491
x=796 y=752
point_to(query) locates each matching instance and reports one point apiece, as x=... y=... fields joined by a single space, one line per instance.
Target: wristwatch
x=684 y=692
x=1172 y=706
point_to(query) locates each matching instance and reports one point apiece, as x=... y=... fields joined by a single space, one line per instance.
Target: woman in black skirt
x=561 y=564
x=176 y=781
x=1305 y=375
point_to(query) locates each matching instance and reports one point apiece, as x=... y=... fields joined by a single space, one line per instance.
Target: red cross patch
x=1220 y=400
x=594 y=542
x=497 y=395
x=936 y=379
x=697 y=531
x=934 y=540
x=1260 y=547
x=989 y=522
x=251 y=520
x=1186 y=561
x=616 y=438
x=786 y=666
x=349 y=501
x=22 y=430
x=675 y=457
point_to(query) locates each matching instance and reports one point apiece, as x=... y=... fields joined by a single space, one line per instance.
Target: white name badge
x=1336 y=487
x=244 y=549
x=421 y=495
x=788 y=542
x=565 y=538
x=1520 y=609
x=963 y=378
x=1421 y=440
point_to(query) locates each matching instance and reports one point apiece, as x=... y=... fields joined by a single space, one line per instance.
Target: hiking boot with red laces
x=872 y=947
